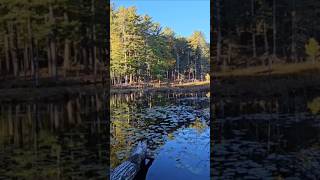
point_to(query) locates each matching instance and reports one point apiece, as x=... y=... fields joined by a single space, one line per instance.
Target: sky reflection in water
x=176 y=126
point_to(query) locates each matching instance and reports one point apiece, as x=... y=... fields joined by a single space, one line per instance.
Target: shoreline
x=281 y=80
x=273 y=85
x=64 y=92
x=186 y=87
x=46 y=93
x=297 y=79
x=276 y=70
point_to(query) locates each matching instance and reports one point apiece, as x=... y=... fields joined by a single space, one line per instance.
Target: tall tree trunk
x=274 y=52
x=293 y=27
x=49 y=58
x=178 y=61
x=266 y=44
x=189 y=63
x=53 y=45
x=75 y=53
x=95 y=58
x=195 y=67
x=26 y=59
x=173 y=75
x=7 y=53
x=253 y=31
x=84 y=56
x=199 y=66
x=30 y=42
x=125 y=52
x=126 y=79
x=90 y=53
x=35 y=61
x=219 y=38
x=54 y=58
x=13 y=48
x=66 y=62
x=130 y=79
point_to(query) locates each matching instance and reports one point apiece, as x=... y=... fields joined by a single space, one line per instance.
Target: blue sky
x=183 y=16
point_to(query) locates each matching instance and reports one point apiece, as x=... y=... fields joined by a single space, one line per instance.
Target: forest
x=53 y=38
x=265 y=32
x=142 y=51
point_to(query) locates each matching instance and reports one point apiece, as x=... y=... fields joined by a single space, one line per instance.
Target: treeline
x=263 y=32
x=143 y=51
x=52 y=38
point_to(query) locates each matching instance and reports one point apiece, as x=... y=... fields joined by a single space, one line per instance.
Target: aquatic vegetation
x=179 y=121
x=278 y=140
x=314 y=105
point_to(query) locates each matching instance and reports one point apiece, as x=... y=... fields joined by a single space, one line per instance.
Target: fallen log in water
x=130 y=168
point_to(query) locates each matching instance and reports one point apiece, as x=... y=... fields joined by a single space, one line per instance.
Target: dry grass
x=189 y=86
x=284 y=80
x=199 y=83
x=277 y=69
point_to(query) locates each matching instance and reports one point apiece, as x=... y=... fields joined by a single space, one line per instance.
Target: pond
x=266 y=137
x=54 y=139
x=68 y=138
x=176 y=126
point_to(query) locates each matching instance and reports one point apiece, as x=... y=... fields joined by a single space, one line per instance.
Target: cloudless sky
x=182 y=16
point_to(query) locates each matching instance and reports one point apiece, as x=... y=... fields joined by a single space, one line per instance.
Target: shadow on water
x=176 y=126
x=55 y=140
x=276 y=137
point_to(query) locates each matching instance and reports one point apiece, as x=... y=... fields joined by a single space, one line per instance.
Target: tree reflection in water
x=54 y=139
x=266 y=137
x=160 y=118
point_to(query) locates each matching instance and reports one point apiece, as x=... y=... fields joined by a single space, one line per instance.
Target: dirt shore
x=255 y=84
x=186 y=87
x=58 y=93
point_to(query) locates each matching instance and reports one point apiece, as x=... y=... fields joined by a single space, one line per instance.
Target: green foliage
x=251 y=32
x=207 y=77
x=159 y=69
x=142 y=48
x=312 y=49
x=77 y=22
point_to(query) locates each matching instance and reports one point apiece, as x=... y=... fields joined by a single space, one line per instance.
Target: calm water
x=254 y=138
x=177 y=129
x=54 y=140
x=269 y=138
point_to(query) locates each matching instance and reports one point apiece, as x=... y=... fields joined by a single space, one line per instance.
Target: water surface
x=266 y=137
x=176 y=126
x=62 y=139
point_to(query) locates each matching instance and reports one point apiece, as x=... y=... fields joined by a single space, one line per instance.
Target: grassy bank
x=190 y=86
x=276 y=69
